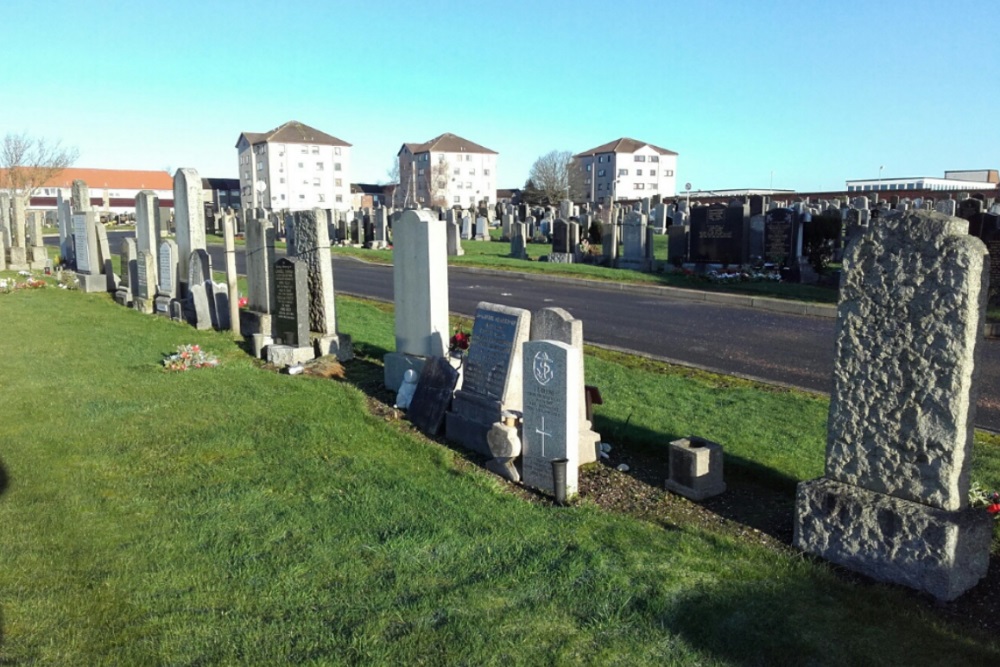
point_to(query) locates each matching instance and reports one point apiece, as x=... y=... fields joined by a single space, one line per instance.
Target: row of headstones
x=21 y=244
x=511 y=350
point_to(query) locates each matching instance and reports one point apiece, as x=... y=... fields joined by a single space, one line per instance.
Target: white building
x=974 y=179
x=627 y=169
x=112 y=191
x=294 y=167
x=446 y=171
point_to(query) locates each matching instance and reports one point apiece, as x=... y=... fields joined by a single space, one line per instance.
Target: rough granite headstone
x=894 y=501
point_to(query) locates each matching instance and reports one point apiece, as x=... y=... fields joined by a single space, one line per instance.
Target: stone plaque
x=432 y=396
x=291 y=297
x=493 y=336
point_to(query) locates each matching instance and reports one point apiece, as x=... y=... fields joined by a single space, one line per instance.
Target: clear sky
x=811 y=91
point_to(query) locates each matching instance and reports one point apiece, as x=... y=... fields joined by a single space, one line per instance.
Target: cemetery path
x=776 y=348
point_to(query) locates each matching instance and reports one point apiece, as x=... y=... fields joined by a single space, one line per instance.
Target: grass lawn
x=237 y=516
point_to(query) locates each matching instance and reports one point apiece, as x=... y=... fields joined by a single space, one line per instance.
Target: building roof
x=292 y=132
x=124 y=179
x=623 y=145
x=447 y=143
x=368 y=188
x=220 y=184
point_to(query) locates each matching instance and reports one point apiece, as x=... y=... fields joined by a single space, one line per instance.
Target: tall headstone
x=88 y=260
x=552 y=376
x=454 y=240
x=145 y=275
x=260 y=258
x=5 y=219
x=166 y=271
x=147 y=206
x=893 y=503
x=420 y=293
x=129 y=262
x=491 y=383
x=717 y=234
x=38 y=257
x=189 y=220
x=780 y=237
x=557 y=324
x=64 y=214
x=518 y=232
x=232 y=286
x=312 y=246
x=634 y=254
x=291 y=315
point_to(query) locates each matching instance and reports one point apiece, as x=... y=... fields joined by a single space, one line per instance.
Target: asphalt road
x=778 y=348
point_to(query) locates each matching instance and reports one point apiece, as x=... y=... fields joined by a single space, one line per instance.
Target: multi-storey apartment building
x=626 y=169
x=446 y=171
x=294 y=167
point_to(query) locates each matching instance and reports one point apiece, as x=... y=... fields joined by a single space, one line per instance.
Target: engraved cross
x=542 y=432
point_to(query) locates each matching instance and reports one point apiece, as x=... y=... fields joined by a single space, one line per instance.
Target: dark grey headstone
x=291 y=297
x=780 y=236
x=432 y=396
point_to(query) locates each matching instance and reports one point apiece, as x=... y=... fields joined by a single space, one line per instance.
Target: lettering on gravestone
x=493 y=336
x=291 y=315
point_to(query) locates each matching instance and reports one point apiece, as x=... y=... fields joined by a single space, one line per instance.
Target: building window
x=305 y=150
x=339 y=199
x=640 y=158
x=260 y=166
x=458 y=186
x=486 y=172
x=441 y=158
x=246 y=175
x=652 y=172
x=601 y=172
x=640 y=186
x=302 y=197
x=457 y=199
x=282 y=197
x=587 y=182
x=600 y=158
x=669 y=173
x=600 y=186
x=319 y=166
x=338 y=182
x=623 y=172
x=468 y=158
x=638 y=172
x=302 y=165
x=654 y=186
x=472 y=172
x=321 y=197
x=281 y=180
x=336 y=166
x=654 y=158
x=315 y=150
x=420 y=172
x=457 y=171
x=316 y=182
x=468 y=185
x=336 y=150
x=425 y=158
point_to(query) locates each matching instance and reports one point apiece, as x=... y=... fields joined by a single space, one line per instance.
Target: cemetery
x=320 y=476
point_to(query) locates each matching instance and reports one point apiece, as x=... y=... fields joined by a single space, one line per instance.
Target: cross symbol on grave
x=541 y=431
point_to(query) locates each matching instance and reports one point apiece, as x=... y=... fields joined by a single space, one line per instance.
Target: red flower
x=242 y=303
x=994 y=508
x=460 y=340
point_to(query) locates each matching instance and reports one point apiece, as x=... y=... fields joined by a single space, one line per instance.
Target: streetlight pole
x=880 y=168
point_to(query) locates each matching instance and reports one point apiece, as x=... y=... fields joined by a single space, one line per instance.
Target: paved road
x=775 y=347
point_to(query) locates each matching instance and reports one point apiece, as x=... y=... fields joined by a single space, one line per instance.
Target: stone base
x=695 y=470
x=38 y=256
x=123 y=297
x=889 y=539
x=259 y=343
x=336 y=344
x=17 y=259
x=92 y=282
x=396 y=364
x=161 y=305
x=286 y=355
x=254 y=322
x=562 y=258
x=588 y=444
x=643 y=265
x=143 y=305
x=177 y=310
x=470 y=420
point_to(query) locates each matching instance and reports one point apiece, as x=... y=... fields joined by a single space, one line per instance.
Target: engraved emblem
x=542 y=367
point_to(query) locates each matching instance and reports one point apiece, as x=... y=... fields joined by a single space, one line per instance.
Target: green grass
x=237 y=516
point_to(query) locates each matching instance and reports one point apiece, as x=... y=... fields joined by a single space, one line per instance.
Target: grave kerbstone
x=551 y=414
x=894 y=500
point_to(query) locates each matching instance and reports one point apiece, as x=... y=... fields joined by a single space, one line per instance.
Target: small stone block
x=286 y=355
x=335 y=344
x=695 y=468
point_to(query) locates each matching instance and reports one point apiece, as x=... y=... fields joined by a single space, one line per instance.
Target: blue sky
x=813 y=92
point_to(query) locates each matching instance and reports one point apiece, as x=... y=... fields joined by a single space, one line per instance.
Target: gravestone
x=5 y=219
x=432 y=398
x=104 y=258
x=990 y=236
x=260 y=258
x=557 y=324
x=312 y=245
x=491 y=380
x=88 y=261
x=609 y=243
x=166 y=272
x=420 y=294
x=677 y=244
x=634 y=239
x=147 y=207
x=518 y=231
x=482 y=230
x=129 y=263
x=199 y=304
x=64 y=215
x=38 y=257
x=781 y=237
x=454 y=240
x=716 y=234
x=189 y=221
x=145 y=275
x=79 y=197
x=550 y=432
x=466 y=228
x=291 y=314
x=893 y=503
x=17 y=252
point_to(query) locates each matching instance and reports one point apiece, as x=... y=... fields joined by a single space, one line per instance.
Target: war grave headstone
x=893 y=503
x=166 y=272
x=291 y=314
x=129 y=263
x=432 y=398
x=491 y=380
x=420 y=294
x=312 y=245
x=550 y=431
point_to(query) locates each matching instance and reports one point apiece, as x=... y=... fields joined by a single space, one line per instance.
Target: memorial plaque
x=779 y=236
x=493 y=336
x=291 y=296
x=432 y=396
